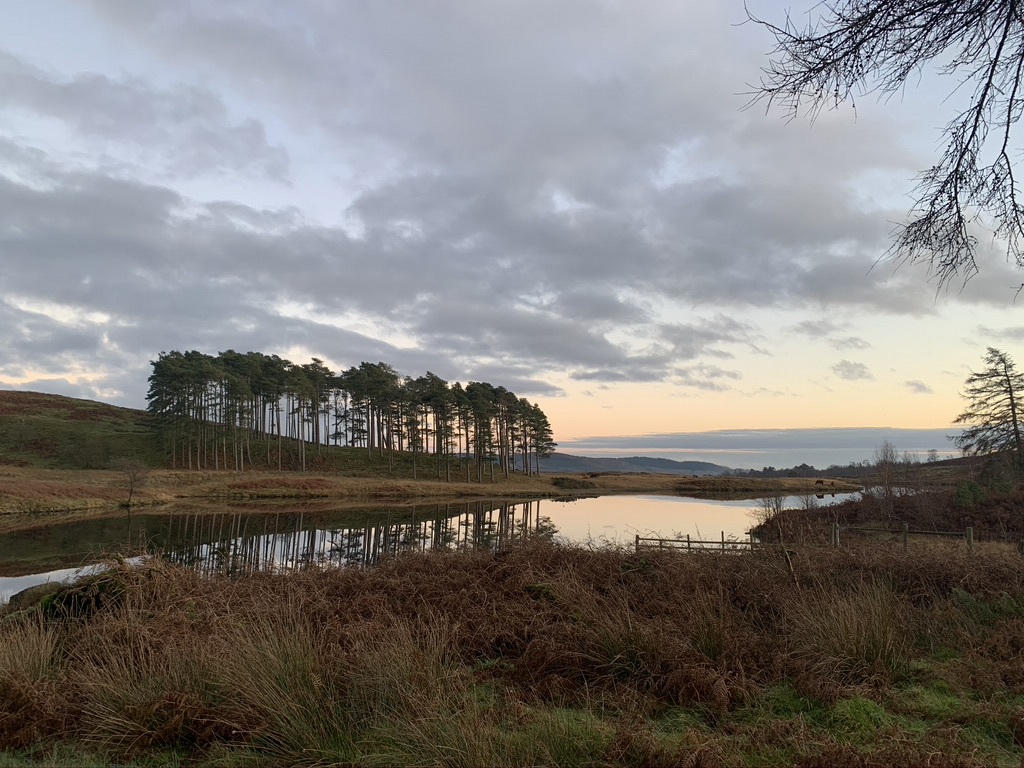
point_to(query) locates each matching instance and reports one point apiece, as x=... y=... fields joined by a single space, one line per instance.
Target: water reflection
x=246 y=538
x=225 y=537
x=241 y=542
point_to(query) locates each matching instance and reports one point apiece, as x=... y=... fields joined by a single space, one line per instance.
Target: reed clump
x=536 y=655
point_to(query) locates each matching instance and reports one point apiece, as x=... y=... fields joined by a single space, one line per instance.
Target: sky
x=566 y=199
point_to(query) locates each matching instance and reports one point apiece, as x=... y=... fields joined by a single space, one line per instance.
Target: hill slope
x=564 y=462
x=51 y=431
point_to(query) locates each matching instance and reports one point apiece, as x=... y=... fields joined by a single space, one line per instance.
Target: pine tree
x=993 y=410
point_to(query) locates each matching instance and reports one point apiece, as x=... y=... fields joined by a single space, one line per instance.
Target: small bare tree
x=134 y=474
x=887 y=474
x=768 y=513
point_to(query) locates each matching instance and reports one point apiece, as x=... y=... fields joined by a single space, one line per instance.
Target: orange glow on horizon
x=653 y=409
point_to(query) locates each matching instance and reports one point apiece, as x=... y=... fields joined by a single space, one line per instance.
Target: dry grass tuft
x=31 y=708
x=854 y=637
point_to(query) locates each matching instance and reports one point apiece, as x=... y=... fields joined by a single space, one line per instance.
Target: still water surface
x=241 y=538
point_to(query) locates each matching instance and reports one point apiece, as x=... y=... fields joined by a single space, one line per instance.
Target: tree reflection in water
x=238 y=542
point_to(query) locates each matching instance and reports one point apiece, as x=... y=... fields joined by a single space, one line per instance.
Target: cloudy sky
x=567 y=199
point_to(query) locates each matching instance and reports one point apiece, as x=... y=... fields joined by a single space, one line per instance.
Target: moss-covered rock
x=84 y=597
x=32 y=596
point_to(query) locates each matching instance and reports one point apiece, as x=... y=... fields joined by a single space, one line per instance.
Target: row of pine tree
x=213 y=410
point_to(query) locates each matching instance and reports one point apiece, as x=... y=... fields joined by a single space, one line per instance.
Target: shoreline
x=30 y=492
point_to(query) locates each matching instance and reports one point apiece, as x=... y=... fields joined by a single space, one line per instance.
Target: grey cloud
x=707 y=377
x=747 y=243
x=33 y=334
x=36 y=349
x=762 y=447
x=477 y=329
x=769 y=392
x=184 y=130
x=849 y=342
x=516 y=378
x=844 y=369
x=865 y=438
x=631 y=372
x=180 y=274
x=818 y=329
x=596 y=305
x=804 y=150
x=918 y=387
x=690 y=340
x=469 y=123
x=555 y=86
x=1013 y=333
x=170 y=280
x=691 y=259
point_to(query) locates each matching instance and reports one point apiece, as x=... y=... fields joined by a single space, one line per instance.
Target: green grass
x=56 y=756
x=54 y=432
x=858 y=720
x=782 y=701
x=76 y=755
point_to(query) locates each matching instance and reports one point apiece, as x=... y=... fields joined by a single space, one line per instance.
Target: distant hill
x=564 y=462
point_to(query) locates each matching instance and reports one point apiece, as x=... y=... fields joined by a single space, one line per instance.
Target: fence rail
x=905 y=533
x=736 y=545
x=691 y=544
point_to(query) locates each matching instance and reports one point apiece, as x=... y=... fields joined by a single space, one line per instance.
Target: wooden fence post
x=638 y=543
x=906 y=537
x=835 y=534
x=723 y=541
x=687 y=542
x=970 y=538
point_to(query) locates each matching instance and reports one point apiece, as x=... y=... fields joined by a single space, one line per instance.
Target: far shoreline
x=31 y=491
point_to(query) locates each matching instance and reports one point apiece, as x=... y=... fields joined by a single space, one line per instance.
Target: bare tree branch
x=860 y=47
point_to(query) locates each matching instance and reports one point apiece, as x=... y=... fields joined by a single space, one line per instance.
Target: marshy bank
x=993 y=514
x=534 y=655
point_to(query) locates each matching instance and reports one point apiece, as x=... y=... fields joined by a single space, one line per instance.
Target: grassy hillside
x=54 y=432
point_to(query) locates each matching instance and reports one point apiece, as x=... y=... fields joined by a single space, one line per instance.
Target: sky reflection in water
x=238 y=540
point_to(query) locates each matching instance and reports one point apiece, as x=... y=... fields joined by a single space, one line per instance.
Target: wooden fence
x=905 y=533
x=691 y=544
x=734 y=545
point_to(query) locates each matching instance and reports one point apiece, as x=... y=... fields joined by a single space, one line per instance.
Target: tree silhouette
x=210 y=408
x=993 y=408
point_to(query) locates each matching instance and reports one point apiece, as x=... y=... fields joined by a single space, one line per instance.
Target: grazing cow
x=820 y=482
